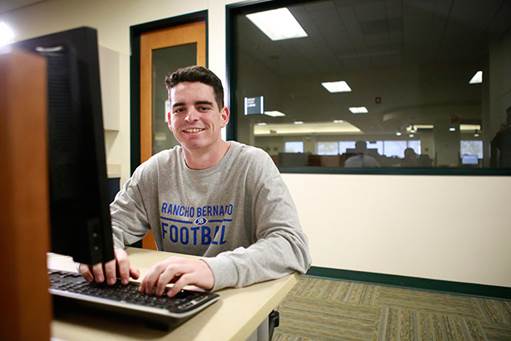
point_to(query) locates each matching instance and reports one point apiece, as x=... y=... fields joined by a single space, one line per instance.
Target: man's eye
x=178 y=110
x=203 y=108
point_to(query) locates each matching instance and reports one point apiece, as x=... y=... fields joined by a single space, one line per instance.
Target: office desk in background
x=235 y=316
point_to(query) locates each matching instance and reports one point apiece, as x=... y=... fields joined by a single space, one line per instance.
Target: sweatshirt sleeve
x=281 y=247
x=129 y=216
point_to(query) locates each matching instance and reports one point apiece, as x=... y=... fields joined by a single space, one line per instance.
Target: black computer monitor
x=79 y=205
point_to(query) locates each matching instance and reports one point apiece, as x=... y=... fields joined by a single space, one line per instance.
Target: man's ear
x=168 y=119
x=225 y=114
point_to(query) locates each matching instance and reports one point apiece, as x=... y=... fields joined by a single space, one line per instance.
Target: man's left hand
x=180 y=271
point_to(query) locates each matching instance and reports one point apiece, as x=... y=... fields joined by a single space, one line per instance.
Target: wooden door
x=162 y=52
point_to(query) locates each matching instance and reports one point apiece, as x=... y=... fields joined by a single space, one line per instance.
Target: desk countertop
x=234 y=317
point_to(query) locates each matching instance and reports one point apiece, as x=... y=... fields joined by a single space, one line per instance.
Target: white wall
x=452 y=228
x=442 y=227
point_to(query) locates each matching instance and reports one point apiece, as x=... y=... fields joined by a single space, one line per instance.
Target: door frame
x=135 y=32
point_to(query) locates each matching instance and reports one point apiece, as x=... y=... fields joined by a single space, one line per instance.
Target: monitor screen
x=79 y=205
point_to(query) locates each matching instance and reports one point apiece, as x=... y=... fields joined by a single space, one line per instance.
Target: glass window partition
x=417 y=84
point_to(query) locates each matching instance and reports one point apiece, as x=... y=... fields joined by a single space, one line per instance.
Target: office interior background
x=444 y=226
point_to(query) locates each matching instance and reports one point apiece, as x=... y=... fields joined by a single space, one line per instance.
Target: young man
x=221 y=200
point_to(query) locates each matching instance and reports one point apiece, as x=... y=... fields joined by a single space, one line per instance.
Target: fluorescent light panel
x=274 y=113
x=298 y=122
x=316 y=128
x=415 y=127
x=470 y=127
x=338 y=121
x=277 y=24
x=339 y=86
x=477 y=78
x=358 y=110
x=463 y=127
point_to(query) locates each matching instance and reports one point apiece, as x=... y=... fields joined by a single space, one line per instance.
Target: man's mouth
x=193 y=130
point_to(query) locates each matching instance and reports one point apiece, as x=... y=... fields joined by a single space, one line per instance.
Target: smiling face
x=195 y=118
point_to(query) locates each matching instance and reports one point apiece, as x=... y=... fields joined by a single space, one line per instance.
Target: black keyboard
x=68 y=288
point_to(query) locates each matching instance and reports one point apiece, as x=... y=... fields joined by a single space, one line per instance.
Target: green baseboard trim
x=412 y=282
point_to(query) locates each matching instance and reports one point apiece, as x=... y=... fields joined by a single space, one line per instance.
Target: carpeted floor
x=322 y=309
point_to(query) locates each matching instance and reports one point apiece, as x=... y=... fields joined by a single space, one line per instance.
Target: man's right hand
x=120 y=265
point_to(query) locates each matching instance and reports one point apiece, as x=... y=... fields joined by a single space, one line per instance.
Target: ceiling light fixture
x=339 y=86
x=298 y=122
x=398 y=133
x=274 y=113
x=307 y=128
x=277 y=24
x=469 y=127
x=338 y=121
x=415 y=127
x=261 y=124
x=477 y=78
x=358 y=110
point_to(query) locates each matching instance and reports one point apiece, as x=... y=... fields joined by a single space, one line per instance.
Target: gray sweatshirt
x=238 y=214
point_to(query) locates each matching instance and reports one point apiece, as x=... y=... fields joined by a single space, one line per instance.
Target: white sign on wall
x=254 y=105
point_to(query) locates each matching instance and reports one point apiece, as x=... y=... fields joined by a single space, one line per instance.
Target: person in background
x=424 y=161
x=410 y=158
x=501 y=145
x=361 y=160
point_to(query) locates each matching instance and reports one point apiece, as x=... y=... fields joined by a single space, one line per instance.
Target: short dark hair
x=197 y=74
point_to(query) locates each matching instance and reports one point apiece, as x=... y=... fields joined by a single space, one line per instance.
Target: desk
x=234 y=317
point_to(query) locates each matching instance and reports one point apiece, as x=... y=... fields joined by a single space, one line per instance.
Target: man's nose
x=192 y=115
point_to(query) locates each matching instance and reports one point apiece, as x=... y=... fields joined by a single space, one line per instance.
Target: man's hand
x=177 y=270
x=120 y=264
